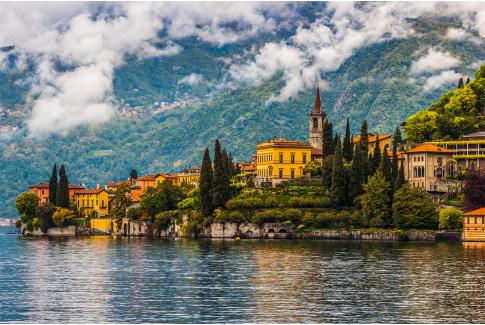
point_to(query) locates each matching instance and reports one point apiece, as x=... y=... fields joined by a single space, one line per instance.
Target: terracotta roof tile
x=429 y=148
x=372 y=138
x=90 y=191
x=477 y=212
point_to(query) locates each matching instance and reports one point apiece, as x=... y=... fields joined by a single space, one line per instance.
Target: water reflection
x=105 y=279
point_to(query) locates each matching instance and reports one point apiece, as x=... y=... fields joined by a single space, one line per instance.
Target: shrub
x=164 y=219
x=44 y=212
x=271 y=202
x=36 y=223
x=309 y=202
x=133 y=213
x=451 y=219
x=246 y=203
x=77 y=221
x=329 y=219
x=230 y=216
x=267 y=216
x=413 y=208
x=62 y=216
x=190 y=203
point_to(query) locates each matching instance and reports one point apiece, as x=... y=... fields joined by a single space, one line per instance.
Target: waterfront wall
x=56 y=231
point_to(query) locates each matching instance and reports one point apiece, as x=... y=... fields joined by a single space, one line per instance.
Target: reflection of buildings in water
x=474 y=252
x=283 y=274
x=59 y=267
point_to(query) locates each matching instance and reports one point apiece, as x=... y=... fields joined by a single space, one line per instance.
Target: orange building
x=42 y=191
x=384 y=139
x=474 y=225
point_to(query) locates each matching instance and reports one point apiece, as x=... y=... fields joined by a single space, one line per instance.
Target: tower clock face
x=315 y=122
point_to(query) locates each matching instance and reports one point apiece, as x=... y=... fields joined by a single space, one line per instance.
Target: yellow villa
x=384 y=140
x=189 y=176
x=92 y=200
x=281 y=159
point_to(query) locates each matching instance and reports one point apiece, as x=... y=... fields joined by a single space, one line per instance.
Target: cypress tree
x=336 y=139
x=227 y=175
x=395 y=162
x=347 y=149
x=327 y=171
x=327 y=139
x=385 y=166
x=357 y=174
x=338 y=190
x=467 y=81
x=375 y=160
x=460 y=83
x=399 y=178
x=205 y=186
x=133 y=174
x=219 y=179
x=62 y=193
x=53 y=185
x=364 y=139
x=397 y=138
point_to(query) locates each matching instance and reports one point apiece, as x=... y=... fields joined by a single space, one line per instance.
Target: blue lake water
x=104 y=279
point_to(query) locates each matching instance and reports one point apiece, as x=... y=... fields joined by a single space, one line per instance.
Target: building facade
x=383 y=140
x=88 y=200
x=474 y=225
x=42 y=191
x=316 y=122
x=281 y=159
x=427 y=166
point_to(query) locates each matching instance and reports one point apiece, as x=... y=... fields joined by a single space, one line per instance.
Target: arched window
x=315 y=122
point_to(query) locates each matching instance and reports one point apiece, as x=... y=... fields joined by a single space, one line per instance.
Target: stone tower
x=316 y=120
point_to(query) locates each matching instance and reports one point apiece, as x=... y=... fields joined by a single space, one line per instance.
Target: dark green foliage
x=375 y=158
x=205 y=186
x=338 y=190
x=451 y=219
x=164 y=197
x=220 y=186
x=327 y=139
x=400 y=177
x=385 y=166
x=364 y=138
x=226 y=164
x=26 y=204
x=467 y=81
x=460 y=83
x=375 y=201
x=133 y=174
x=412 y=208
x=357 y=174
x=44 y=212
x=53 y=185
x=347 y=146
x=121 y=201
x=396 y=143
x=62 y=194
x=474 y=189
x=327 y=171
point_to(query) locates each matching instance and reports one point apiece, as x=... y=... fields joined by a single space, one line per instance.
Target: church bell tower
x=316 y=120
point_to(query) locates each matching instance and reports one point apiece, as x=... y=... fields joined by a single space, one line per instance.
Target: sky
x=91 y=40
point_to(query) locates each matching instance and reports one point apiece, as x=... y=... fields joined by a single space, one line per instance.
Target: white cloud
x=343 y=28
x=192 y=79
x=441 y=79
x=433 y=61
x=91 y=39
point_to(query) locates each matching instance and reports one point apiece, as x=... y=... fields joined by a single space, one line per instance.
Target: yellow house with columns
x=281 y=159
x=92 y=200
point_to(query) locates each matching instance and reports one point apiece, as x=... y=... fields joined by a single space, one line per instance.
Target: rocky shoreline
x=254 y=231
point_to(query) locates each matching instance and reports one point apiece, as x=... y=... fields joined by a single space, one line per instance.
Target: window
x=292 y=157
x=315 y=122
x=280 y=158
x=280 y=173
x=292 y=173
x=92 y=203
x=42 y=192
x=304 y=158
x=102 y=203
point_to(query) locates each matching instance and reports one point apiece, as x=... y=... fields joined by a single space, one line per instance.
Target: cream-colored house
x=427 y=166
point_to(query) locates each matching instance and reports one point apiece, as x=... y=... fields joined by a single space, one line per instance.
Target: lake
x=105 y=279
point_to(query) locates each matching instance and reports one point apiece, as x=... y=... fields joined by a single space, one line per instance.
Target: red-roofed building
x=384 y=139
x=474 y=225
x=427 y=166
x=42 y=190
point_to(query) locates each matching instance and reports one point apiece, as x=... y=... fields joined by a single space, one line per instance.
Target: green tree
x=467 y=81
x=357 y=174
x=364 y=138
x=62 y=194
x=327 y=139
x=451 y=219
x=385 y=166
x=375 y=201
x=347 y=146
x=338 y=190
x=121 y=202
x=327 y=171
x=133 y=174
x=474 y=189
x=205 y=186
x=400 y=177
x=413 y=208
x=460 y=83
x=421 y=126
x=164 y=197
x=226 y=164
x=375 y=159
x=219 y=178
x=44 y=213
x=53 y=185
x=26 y=204
x=62 y=217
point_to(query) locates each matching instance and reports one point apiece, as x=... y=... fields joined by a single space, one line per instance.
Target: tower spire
x=318 y=103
